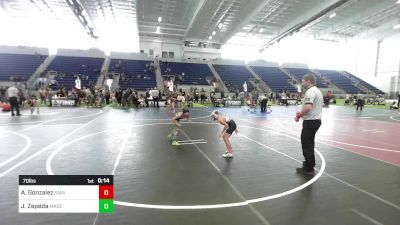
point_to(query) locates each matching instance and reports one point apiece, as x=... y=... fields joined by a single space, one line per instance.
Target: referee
x=311 y=114
x=12 y=93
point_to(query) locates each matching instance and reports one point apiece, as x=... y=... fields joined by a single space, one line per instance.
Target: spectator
x=394 y=106
x=146 y=97
x=398 y=100
x=155 y=94
x=49 y=95
x=202 y=95
x=21 y=98
x=190 y=101
x=118 y=96
x=263 y=102
x=107 y=97
x=2 y=94
x=141 y=101
x=236 y=93
x=360 y=103
x=245 y=88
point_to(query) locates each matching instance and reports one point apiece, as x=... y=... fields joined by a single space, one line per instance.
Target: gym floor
x=357 y=182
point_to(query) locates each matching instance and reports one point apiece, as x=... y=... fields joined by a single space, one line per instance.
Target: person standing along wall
x=263 y=102
x=155 y=94
x=245 y=88
x=360 y=102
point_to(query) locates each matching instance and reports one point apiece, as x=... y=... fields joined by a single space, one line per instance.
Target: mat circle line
x=53 y=120
x=26 y=147
x=394 y=118
x=185 y=207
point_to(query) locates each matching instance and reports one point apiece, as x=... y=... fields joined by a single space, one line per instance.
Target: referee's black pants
x=310 y=127
x=14 y=105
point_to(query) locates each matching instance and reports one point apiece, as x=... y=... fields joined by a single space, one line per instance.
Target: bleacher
x=341 y=81
x=365 y=84
x=234 y=76
x=298 y=73
x=140 y=77
x=194 y=73
x=66 y=67
x=19 y=65
x=137 y=75
x=275 y=78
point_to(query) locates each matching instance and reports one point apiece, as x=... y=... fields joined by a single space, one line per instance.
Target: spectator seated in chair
x=394 y=105
x=252 y=105
x=380 y=100
x=190 y=101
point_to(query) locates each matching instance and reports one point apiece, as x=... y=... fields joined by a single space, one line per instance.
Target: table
x=233 y=103
x=62 y=102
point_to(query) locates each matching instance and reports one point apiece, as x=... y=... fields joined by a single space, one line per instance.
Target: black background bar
x=66 y=179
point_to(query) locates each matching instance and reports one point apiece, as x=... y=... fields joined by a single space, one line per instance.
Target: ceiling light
x=159 y=19
x=396 y=27
x=213 y=33
x=332 y=15
x=398 y=2
x=158 y=30
x=261 y=30
x=220 y=24
x=209 y=38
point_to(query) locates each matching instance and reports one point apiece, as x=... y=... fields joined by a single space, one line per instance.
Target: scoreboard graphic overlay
x=66 y=194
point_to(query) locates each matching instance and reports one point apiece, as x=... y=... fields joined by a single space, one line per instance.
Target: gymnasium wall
x=378 y=63
x=388 y=66
x=159 y=46
x=180 y=51
x=94 y=53
x=23 y=50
